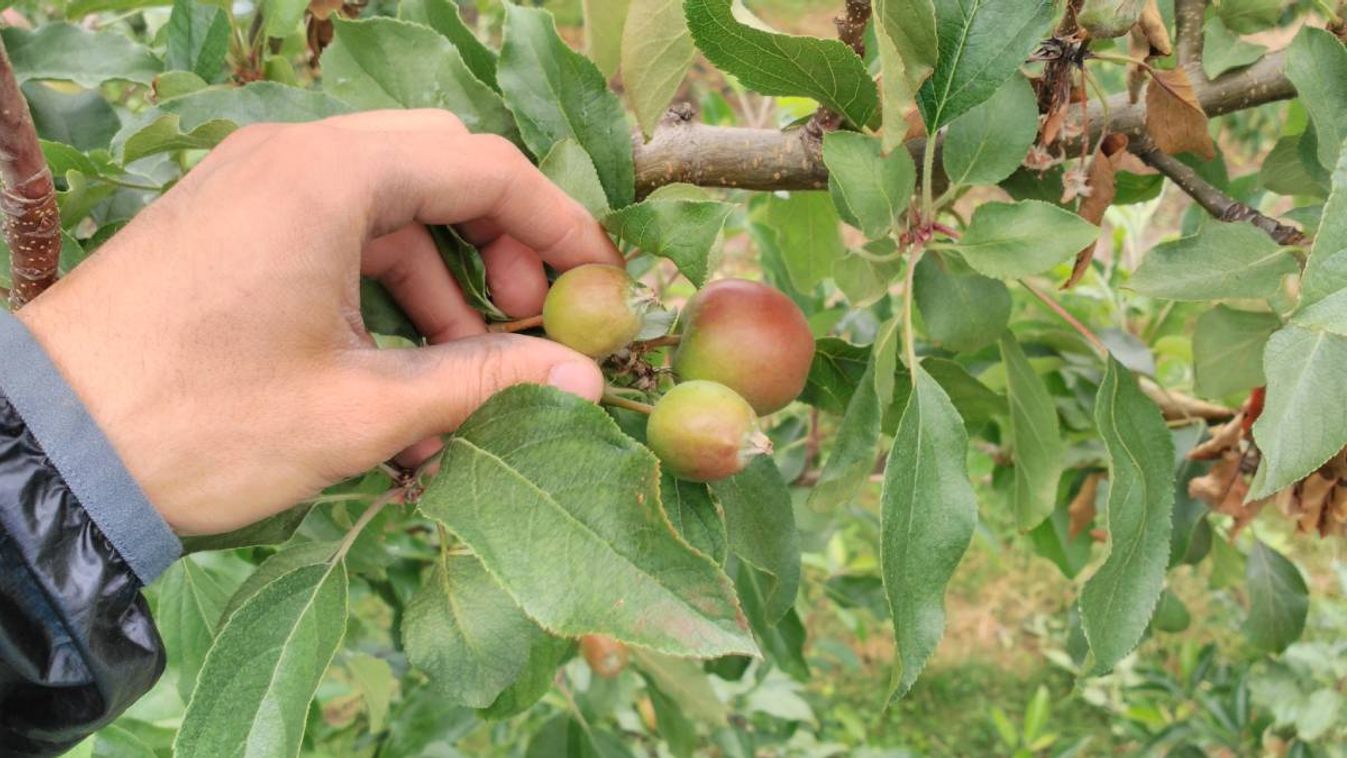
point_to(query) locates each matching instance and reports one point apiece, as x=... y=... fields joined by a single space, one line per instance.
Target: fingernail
x=577 y=377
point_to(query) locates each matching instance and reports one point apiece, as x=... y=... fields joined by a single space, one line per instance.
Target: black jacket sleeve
x=78 y=541
x=77 y=645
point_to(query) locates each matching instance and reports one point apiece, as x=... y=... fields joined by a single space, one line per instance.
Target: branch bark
x=1189 y=17
x=27 y=195
x=766 y=159
x=1213 y=200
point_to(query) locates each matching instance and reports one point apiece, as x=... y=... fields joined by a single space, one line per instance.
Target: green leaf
x=570 y=168
x=760 y=526
x=684 y=231
x=684 y=682
x=535 y=679
x=386 y=63
x=989 y=142
x=1052 y=539
x=255 y=686
x=466 y=266
x=677 y=731
x=1224 y=51
x=1171 y=615
x=982 y=44
x=870 y=190
x=166 y=134
x=1278 y=600
x=78 y=9
x=657 y=51
x=189 y=602
x=374 y=677
x=962 y=311
x=865 y=282
x=837 y=370
x=1012 y=240
x=171 y=84
x=783 y=641
x=1036 y=715
x=539 y=478
x=464 y=631
x=272 y=530
x=604 y=20
x=382 y=314
x=1323 y=290
x=71 y=53
x=1304 y=421
x=112 y=741
x=1286 y=172
x=564 y=736
x=1035 y=436
x=1117 y=601
x=1249 y=16
x=1228 y=350
x=806 y=231
x=1223 y=260
x=202 y=119
x=1316 y=63
x=928 y=513
x=281 y=17
x=780 y=64
x=696 y=515
x=557 y=93
x=852 y=458
x=443 y=16
x=975 y=402
x=198 y=39
x=293 y=556
x=83 y=120
x=905 y=34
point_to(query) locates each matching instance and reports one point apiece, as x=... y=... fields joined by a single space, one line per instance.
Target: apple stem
x=523 y=324
x=610 y=397
x=665 y=341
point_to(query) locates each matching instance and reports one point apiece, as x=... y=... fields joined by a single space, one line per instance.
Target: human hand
x=217 y=339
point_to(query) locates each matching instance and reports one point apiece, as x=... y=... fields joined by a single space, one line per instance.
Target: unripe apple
x=704 y=432
x=606 y=656
x=749 y=337
x=595 y=309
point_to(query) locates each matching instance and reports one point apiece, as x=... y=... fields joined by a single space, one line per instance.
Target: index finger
x=434 y=173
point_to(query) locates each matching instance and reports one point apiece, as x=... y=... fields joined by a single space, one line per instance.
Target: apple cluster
x=744 y=351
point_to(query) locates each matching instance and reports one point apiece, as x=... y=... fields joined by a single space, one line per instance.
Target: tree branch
x=27 y=195
x=1189 y=17
x=1213 y=200
x=682 y=150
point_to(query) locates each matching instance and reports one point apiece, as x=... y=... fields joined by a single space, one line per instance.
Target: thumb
x=436 y=388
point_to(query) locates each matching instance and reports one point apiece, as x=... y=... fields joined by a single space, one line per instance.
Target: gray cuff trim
x=82 y=454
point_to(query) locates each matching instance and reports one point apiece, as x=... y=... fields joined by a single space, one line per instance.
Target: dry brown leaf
x=1102 y=178
x=1223 y=438
x=1314 y=495
x=1152 y=26
x=1081 y=511
x=1174 y=117
x=1130 y=163
x=321 y=9
x=916 y=128
x=1223 y=489
x=1052 y=126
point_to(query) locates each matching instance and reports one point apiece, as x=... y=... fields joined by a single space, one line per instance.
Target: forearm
x=77 y=542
